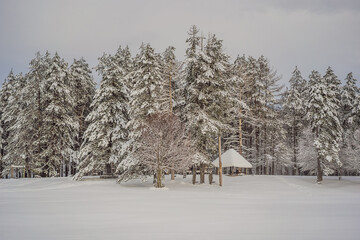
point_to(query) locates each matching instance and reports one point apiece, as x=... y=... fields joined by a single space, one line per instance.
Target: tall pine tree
x=322 y=112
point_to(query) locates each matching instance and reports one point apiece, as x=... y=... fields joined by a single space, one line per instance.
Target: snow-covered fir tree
x=249 y=68
x=294 y=110
x=349 y=94
x=322 y=108
x=11 y=115
x=83 y=90
x=108 y=117
x=59 y=127
x=145 y=98
x=7 y=104
x=261 y=121
x=207 y=98
x=270 y=119
x=124 y=61
x=350 y=147
x=238 y=110
x=307 y=158
x=31 y=117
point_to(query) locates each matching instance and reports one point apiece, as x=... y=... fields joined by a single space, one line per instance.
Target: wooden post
x=220 y=164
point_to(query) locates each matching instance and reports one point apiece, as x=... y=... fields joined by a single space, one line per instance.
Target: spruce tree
x=322 y=108
x=83 y=90
x=59 y=126
x=7 y=100
x=207 y=97
x=349 y=117
x=294 y=111
x=349 y=94
x=145 y=99
x=31 y=117
x=11 y=115
x=239 y=109
x=107 y=118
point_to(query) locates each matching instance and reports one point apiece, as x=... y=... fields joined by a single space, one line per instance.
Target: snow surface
x=246 y=207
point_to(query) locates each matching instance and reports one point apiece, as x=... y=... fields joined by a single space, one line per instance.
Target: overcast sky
x=310 y=34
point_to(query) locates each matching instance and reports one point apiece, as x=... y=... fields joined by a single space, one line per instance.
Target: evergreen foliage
x=54 y=122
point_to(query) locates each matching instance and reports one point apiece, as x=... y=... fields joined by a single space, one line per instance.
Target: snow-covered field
x=247 y=207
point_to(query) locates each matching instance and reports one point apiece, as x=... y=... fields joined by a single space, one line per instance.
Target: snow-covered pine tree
x=83 y=90
x=269 y=118
x=350 y=147
x=108 y=116
x=189 y=75
x=333 y=81
x=294 y=114
x=7 y=98
x=170 y=72
x=30 y=117
x=59 y=126
x=307 y=158
x=250 y=91
x=322 y=108
x=241 y=90
x=207 y=98
x=1 y=149
x=121 y=133
x=349 y=94
x=239 y=110
x=277 y=148
x=11 y=115
x=145 y=99
x=260 y=90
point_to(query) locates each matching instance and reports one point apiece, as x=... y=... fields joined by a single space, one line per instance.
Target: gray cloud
x=309 y=34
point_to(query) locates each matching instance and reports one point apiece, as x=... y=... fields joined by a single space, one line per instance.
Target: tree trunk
x=295 y=172
x=154 y=178
x=257 y=147
x=266 y=162
x=210 y=178
x=158 y=180
x=159 y=171
x=172 y=171
x=319 y=171
x=339 y=173
x=220 y=164
x=202 y=173
x=194 y=174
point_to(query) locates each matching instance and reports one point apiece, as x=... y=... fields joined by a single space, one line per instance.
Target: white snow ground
x=247 y=207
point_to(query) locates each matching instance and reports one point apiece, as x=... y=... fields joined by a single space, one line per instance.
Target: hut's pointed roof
x=232 y=158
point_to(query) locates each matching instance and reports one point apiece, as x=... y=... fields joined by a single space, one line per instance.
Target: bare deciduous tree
x=164 y=145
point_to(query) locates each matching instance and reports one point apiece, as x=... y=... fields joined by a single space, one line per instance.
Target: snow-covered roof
x=232 y=158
